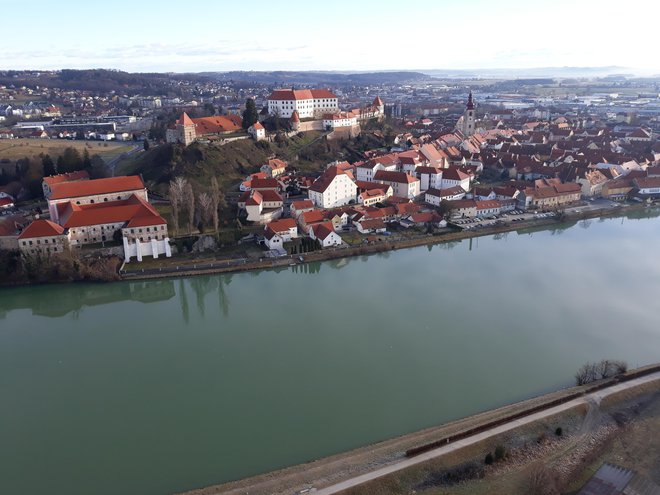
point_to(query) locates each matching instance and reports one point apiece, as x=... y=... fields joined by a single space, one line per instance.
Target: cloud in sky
x=345 y=35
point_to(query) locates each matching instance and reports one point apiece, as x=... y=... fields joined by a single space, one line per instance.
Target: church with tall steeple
x=466 y=124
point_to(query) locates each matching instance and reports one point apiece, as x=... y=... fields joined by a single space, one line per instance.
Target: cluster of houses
x=86 y=211
x=428 y=180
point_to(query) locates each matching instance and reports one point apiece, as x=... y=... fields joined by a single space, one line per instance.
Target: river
x=161 y=386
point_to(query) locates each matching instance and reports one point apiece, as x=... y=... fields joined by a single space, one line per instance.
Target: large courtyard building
x=107 y=210
x=308 y=103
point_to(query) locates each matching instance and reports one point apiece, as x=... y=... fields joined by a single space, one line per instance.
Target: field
x=13 y=149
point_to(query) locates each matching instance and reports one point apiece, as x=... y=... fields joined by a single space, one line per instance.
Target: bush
x=489 y=459
x=559 y=432
x=606 y=368
x=500 y=453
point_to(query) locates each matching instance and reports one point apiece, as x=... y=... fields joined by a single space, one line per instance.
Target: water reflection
x=74 y=297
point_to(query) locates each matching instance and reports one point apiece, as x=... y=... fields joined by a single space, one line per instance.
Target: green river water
x=163 y=386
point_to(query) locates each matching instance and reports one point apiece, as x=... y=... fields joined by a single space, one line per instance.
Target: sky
x=346 y=35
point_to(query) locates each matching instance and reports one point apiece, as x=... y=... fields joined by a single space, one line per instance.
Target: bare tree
x=190 y=206
x=216 y=197
x=605 y=368
x=204 y=205
x=177 y=193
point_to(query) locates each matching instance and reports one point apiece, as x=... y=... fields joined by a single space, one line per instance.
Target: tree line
x=203 y=207
x=28 y=173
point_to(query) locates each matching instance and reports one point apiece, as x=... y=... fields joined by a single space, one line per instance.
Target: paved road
x=440 y=451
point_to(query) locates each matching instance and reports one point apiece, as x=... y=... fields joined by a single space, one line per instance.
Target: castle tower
x=186 y=128
x=378 y=103
x=295 y=120
x=466 y=124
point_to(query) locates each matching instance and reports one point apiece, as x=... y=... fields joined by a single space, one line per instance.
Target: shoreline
x=236 y=265
x=240 y=265
x=327 y=473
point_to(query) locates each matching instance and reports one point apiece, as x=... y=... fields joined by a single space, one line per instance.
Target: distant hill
x=287 y=78
x=101 y=80
x=541 y=72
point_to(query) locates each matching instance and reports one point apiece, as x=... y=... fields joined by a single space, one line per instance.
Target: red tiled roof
x=488 y=204
x=323 y=230
x=372 y=193
x=41 y=228
x=303 y=204
x=322 y=93
x=276 y=163
x=399 y=177
x=10 y=224
x=647 y=182
x=452 y=173
x=134 y=210
x=218 y=124
x=264 y=184
x=96 y=187
x=282 y=225
x=185 y=120
x=295 y=117
x=324 y=181
x=68 y=177
x=424 y=217
x=314 y=216
x=300 y=94
x=372 y=224
x=254 y=199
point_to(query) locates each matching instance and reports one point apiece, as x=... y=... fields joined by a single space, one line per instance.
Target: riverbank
x=174 y=268
x=380 y=468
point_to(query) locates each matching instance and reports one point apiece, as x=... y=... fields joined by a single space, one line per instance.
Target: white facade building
x=340 y=119
x=334 y=188
x=307 y=102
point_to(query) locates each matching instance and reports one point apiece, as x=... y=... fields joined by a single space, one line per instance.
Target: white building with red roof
x=452 y=176
x=325 y=234
x=286 y=228
x=302 y=206
x=333 y=188
x=403 y=185
x=183 y=131
x=94 y=191
x=257 y=131
x=339 y=119
x=262 y=206
x=95 y=211
x=48 y=182
x=274 y=167
x=308 y=103
x=43 y=237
